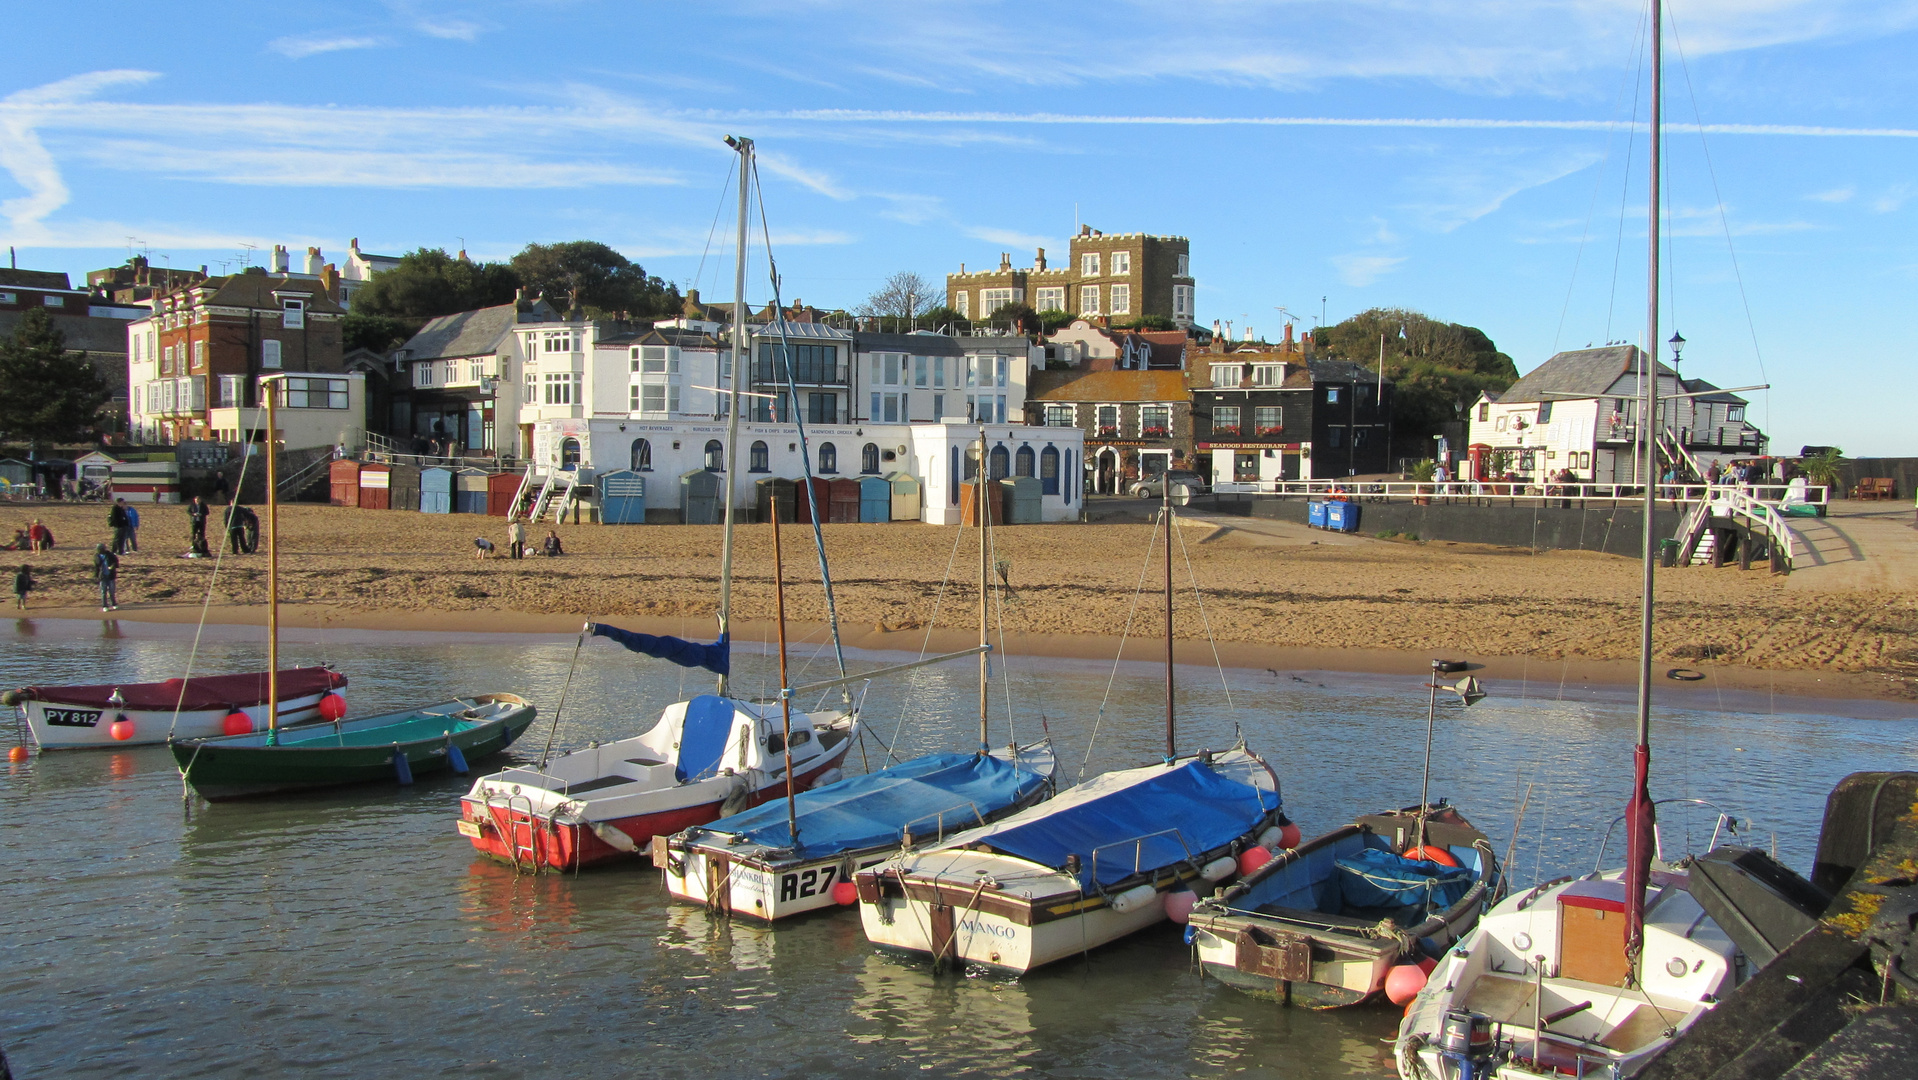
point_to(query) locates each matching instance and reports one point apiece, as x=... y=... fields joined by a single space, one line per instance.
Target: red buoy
x=845 y=893
x=1289 y=836
x=237 y=723
x=17 y=754
x=1252 y=858
x=1432 y=853
x=121 y=728
x=1426 y=964
x=1403 y=983
x=332 y=707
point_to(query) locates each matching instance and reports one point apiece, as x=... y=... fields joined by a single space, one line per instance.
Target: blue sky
x=1468 y=159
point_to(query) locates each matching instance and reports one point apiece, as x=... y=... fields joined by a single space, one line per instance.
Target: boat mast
x=744 y=147
x=270 y=384
x=785 y=688
x=1165 y=491
x=981 y=511
x=1640 y=813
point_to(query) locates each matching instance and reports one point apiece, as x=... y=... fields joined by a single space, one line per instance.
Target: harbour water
x=355 y=934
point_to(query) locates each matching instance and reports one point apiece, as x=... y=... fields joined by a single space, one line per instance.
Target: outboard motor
x=1465 y=1039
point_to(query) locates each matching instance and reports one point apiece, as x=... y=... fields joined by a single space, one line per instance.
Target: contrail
x=895 y=116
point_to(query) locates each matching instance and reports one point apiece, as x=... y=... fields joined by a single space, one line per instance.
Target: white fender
x=1269 y=839
x=830 y=776
x=1134 y=899
x=1219 y=869
x=613 y=836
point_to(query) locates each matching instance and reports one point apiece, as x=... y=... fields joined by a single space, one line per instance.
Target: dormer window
x=1269 y=375
x=1226 y=376
x=293 y=314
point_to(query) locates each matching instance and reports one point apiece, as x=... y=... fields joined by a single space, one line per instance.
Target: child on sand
x=482 y=547
x=22 y=585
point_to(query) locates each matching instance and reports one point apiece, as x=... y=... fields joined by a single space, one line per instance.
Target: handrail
x=1138 y=849
x=1511 y=490
x=905 y=830
x=1725 y=823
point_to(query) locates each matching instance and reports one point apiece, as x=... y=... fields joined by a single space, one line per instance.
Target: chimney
x=279 y=258
x=313 y=262
x=1248 y=334
x=463 y=257
x=1288 y=337
x=1005 y=261
x=1039 y=263
x=354 y=246
x=962 y=269
x=1085 y=230
x=202 y=269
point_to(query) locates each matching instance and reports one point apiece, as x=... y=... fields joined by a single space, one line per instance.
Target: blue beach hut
x=436 y=491
x=622 y=497
x=875 y=499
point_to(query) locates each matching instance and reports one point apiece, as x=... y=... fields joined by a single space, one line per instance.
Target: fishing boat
x=142 y=714
x=1325 y=923
x=799 y=855
x=706 y=757
x=393 y=747
x=1107 y=858
x=1593 y=975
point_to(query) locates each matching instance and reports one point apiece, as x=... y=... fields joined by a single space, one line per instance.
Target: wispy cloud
x=301 y=47
x=1008 y=237
x=1892 y=198
x=1835 y=195
x=1460 y=192
x=1359 y=270
x=25 y=157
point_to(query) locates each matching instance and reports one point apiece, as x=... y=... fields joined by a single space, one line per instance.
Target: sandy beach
x=1274 y=595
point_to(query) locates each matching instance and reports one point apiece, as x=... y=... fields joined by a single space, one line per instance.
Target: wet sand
x=1274 y=596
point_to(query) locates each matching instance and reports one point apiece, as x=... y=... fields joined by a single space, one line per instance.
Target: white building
x=466 y=374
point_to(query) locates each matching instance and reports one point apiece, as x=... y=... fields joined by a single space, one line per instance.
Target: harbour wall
x=1617 y=530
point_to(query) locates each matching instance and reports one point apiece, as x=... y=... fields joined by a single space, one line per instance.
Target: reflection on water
x=354 y=933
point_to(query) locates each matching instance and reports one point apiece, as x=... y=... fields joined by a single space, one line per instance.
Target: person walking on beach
x=106 y=570
x=117 y=521
x=197 y=513
x=133 y=527
x=516 y=538
x=22 y=585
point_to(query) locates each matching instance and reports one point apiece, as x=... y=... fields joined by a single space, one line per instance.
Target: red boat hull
x=507 y=835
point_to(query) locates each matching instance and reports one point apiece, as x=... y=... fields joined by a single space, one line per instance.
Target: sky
x=1476 y=160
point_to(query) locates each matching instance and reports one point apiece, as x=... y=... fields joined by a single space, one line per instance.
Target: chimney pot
x=1040 y=262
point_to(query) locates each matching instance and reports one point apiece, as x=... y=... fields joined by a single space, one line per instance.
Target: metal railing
x=1515 y=491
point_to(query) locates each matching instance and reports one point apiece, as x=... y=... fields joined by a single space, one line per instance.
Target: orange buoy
x=1403 y=983
x=121 y=729
x=237 y=723
x=1289 y=835
x=845 y=893
x=1432 y=853
x=1426 y=964
x=1252 y=858
x=17 y=754
x=332 y=707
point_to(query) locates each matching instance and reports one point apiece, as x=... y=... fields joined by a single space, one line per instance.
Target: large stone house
x=1113 y=277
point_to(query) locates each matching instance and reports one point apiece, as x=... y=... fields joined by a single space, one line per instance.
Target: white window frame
x=1089 y=264
x=1121 y=263
x=1182 y=300
x=272 y=356
x=1089 y=300
x=919 y=371
x=559 y=388
x=962 y=303
x=292 y=313
x=1121 y=303
x=1061 y=416
x=991 y=300
x=1050 y=298
x=1183 y=267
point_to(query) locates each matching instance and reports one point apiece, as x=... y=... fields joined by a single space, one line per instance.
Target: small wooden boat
x=1324 y=923
x=749 y=864
x=392 y=747
x=145 y=714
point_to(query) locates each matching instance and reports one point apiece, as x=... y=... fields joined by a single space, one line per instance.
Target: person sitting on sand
x=550 y=546
x=39 y=537
x=20 y=541
x=22 y=585
x=482 y=547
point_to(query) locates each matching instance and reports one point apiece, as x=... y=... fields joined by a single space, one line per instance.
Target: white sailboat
x=1587 y=976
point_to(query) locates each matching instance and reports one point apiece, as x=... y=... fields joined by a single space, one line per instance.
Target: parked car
x=1184 y=486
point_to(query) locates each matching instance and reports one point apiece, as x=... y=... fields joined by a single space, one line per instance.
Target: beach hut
x=906 y=494
x=376 y=486
x=345 y=477
x=774 y=494
x=970 y=500
x=436 y=491
x=502 y=490
x=147 y=481
x=404 y=489
x=472 y=491
x=1021 y=497
x=842 y=500
x=622 y=497
x=14 y=471
x=875 y=499
x=96 y=468
x=807 y=493
x=699 y=494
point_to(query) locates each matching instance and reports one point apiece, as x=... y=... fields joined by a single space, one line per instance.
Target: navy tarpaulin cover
x=869 y=811
x=709 y=721
x=1207 y=810
x=1374 y=878
x=716 y=657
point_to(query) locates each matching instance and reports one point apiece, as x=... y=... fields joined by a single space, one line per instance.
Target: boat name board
x=976 y=927
x=71 y=717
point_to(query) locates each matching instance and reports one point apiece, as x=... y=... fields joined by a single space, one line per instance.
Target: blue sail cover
x=1207 y=809
x=869 y=811
x=716 y=657
x=702 y=738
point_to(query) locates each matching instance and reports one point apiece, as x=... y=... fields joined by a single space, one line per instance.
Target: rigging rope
x=1591 y=211
x=213 y=580
x=1145 y=568
x=557 y=709
x=1206 y=621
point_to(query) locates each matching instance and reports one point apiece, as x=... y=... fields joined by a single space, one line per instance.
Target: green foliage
x=1437 y=368
x=1499 y=462
x=594 y=278
x=1424 y=471
x=429 y=283
x=1020 y=317
x=380 y=333
x=1052 y=320
x=936 y=318
x=1825 y=468
x=47 y=394
x=1145 y=322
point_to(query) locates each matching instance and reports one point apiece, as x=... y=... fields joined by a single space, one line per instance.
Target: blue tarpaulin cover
x=709 y=722
x=869 y=811
x=1374 y=878
x=716 y=657
x=1207 y=809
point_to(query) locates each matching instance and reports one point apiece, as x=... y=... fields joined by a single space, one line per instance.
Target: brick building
x=1275 y=412
x=1114 y=277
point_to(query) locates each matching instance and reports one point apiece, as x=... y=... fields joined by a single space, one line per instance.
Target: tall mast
x=1165 y=491
x=982 y=509
x=785 y=687
x=744 y=146
x=1640 y=813
x=271 y=386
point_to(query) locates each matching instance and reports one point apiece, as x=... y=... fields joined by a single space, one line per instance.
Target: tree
x=1019 y=316
x=380 y=333
x=1052 y=320
x=47 y=394
x=939 y=318
x=595 y=279
x=1437 y=368
x=429 y=283
x=1146 y=322
x=905 y=295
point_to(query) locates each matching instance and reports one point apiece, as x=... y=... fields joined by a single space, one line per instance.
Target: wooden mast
x=981 y=508
x=1165 y=492
x=785 y=688
x=744 y=147
x=270 y=385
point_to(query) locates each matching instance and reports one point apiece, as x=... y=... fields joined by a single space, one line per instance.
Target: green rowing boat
x=393 y=747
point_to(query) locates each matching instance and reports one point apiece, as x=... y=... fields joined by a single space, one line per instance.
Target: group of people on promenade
x=516 y=543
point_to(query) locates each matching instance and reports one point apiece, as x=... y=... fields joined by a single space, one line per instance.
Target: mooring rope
x=1152 y=543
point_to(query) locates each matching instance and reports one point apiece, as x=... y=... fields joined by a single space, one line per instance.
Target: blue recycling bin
x=1342 y=516
x=1315 y=514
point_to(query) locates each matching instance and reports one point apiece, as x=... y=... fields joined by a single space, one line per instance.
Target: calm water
x=354 y=934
